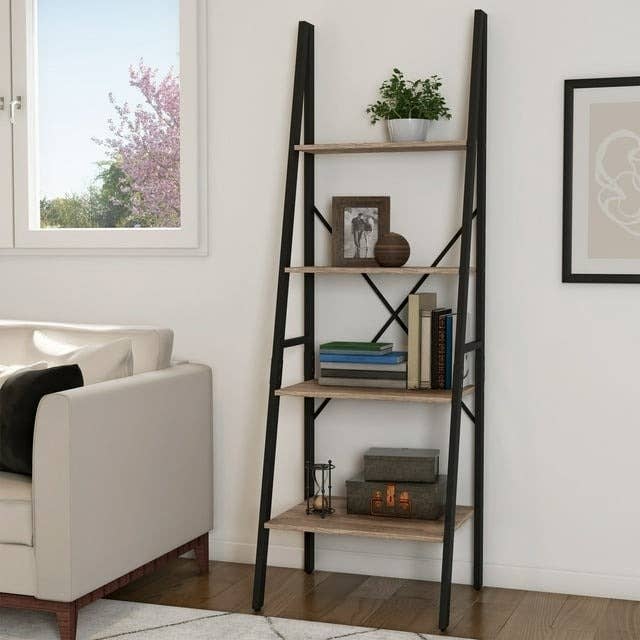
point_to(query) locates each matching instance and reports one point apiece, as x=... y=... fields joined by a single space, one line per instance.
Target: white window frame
x=17 y=232
x=6 y=160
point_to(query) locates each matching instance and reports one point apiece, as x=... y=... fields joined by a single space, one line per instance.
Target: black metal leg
x=280 y=317
x=461 y=323
x=309 y=456
x=478 y=518
x=478 y=522
x=309 y=286
x=309 y=552
x=260 y=574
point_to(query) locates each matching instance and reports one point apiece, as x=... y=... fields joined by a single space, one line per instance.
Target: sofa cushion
x=151 y=346
x=98 y=363
x=16 y=520
x=20 y=396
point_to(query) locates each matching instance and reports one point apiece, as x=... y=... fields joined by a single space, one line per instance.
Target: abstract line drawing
x=619 y=195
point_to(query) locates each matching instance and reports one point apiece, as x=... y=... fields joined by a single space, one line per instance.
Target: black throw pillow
x=19 y=398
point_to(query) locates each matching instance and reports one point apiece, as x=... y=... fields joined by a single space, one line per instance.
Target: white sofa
x=122 y=475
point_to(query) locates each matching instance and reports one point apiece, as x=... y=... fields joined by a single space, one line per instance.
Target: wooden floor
x=390 y=603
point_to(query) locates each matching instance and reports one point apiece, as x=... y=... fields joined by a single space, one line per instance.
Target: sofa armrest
x=122 y=473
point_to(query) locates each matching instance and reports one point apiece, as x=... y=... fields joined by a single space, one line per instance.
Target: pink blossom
x=145 y=142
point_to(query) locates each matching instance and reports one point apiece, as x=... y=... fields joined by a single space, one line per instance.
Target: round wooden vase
x=392 y=250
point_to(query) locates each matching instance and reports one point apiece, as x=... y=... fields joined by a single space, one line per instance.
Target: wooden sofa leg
x=202 y=553
x=68 y=621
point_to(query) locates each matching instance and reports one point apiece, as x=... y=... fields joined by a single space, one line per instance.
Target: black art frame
x=567 y=208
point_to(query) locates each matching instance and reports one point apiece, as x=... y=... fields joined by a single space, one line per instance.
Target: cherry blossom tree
x=144 y=143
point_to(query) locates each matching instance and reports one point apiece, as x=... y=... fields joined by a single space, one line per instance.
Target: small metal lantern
x=318 y=487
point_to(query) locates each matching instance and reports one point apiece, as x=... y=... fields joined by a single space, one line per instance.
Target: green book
x=356 y=348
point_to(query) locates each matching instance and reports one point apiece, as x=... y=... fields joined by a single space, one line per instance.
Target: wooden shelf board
x=382 y=147
x=311 y=389
x=341 y=523
x=401 y=271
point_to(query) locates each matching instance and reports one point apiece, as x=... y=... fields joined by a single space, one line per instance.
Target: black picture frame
x=568 y=275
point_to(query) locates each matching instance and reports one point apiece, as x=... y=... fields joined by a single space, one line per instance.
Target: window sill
x=84 y=252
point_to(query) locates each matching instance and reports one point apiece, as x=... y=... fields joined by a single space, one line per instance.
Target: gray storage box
x=421 y=500
x=401 y=465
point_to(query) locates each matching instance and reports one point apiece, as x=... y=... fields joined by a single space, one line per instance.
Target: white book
x=425 y=352
x=419 y=303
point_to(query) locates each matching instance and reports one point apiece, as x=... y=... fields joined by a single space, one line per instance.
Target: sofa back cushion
x=151 y=346
x=98 y=363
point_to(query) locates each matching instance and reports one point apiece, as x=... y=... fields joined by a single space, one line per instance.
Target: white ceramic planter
x=407 y=129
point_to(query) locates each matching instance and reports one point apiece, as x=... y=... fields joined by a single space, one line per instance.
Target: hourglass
x=318 y=487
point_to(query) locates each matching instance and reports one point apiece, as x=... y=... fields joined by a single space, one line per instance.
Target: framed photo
x=601 y=208
x=358 y=222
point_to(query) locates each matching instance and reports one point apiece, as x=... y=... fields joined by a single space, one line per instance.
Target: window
x=105 y=125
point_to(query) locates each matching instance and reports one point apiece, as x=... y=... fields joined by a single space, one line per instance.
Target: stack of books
x=432 y=335
x=363 y=364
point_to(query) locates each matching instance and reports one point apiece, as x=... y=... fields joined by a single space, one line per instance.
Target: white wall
x=562 y=428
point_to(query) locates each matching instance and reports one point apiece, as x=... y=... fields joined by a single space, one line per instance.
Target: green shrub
x=402 y=98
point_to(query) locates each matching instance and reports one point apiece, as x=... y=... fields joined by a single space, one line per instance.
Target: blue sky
x=84 y=52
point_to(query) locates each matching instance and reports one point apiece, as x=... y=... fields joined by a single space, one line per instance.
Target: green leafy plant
x=402 y=98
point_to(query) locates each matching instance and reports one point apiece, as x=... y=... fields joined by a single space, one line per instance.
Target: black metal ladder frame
x=302 y=114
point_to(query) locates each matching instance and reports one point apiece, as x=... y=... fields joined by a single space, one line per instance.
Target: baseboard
x=495 y=575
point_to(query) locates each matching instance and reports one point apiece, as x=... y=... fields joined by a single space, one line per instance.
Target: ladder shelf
x=473 y=210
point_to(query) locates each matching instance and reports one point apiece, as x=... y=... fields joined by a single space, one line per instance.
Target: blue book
x=394 y=357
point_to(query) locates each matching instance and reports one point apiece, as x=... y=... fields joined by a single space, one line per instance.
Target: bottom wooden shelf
x=342 y=523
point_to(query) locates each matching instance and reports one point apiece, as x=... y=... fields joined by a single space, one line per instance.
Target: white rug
x=114 y=620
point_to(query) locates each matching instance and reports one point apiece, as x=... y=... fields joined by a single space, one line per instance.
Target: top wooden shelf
x=382 y=147
x=400 y=271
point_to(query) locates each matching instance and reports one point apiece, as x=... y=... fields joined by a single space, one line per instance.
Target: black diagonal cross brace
x=394 y=313
x=369 y=281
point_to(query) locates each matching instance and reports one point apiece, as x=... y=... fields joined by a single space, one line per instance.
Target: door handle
x=14 y=104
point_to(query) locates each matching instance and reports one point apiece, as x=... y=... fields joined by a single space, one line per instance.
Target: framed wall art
x=601 y=208
x=358 y=222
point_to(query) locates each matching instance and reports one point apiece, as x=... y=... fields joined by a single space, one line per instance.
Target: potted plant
x=408 y=106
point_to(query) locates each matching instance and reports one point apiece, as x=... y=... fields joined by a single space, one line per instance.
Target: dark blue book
x=438 y=347
x=449 y=334
x=394 y=357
